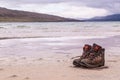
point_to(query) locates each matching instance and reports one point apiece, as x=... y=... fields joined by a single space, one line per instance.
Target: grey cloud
x=33 y=1
x=110 y=5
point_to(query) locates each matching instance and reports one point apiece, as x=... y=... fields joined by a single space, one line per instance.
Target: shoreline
x=50 y=46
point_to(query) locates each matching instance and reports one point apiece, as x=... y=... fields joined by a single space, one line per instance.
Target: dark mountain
x=114 y=17
x=7 y=15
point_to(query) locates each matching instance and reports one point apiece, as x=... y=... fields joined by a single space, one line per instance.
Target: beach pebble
x=40 y=59
x=58 y=60
x=1 y=69
x=27 y=78
x=13 y=76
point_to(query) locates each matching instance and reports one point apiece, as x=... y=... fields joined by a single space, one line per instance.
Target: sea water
x=38 y=38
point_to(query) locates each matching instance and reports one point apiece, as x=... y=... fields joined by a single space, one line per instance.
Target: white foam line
x=52 y=39
x=60 y=44
x=62 y=38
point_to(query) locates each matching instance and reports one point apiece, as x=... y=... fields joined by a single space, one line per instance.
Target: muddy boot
x=86 y=51
x=96 y=57
x=100 y=53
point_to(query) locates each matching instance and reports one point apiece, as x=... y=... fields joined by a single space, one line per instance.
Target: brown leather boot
x=96 y=57
x=86 y=51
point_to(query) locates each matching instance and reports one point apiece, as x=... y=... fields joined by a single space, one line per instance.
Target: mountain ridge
x=8 y=15
x=113 y=17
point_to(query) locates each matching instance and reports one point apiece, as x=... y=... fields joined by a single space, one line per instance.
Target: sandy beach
x=56 y=69
x=44 y=53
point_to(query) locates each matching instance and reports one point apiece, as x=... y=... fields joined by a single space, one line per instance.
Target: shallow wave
x=53 y=38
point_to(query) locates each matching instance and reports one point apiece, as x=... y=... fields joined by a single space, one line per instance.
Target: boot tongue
x=86 y=47
x=97 y=48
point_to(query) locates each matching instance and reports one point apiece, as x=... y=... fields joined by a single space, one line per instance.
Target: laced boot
x=96 y=57
x=100 y=54
x=86 y=51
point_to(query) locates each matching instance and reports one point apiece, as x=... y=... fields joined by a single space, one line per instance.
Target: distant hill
x=114 y=17
x=7 y=15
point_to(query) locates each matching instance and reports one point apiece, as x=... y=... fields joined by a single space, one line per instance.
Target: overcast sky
x=78 y=9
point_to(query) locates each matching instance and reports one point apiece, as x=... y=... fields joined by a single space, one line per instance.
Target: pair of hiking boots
x=92 y=57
